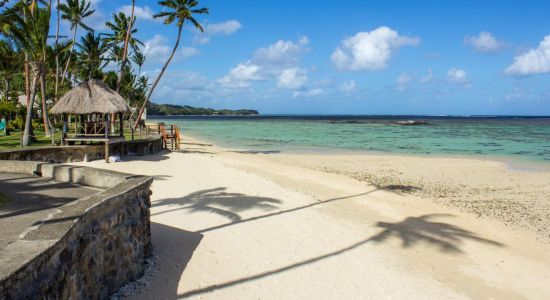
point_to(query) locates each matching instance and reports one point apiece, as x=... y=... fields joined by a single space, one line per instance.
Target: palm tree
x=139 y=60
x=75 y=12
x=10 y=60
x=119 y=28
x=56 y=45
x=120 y=40
x=91 y=56
x=30 y=33
x=125 y=51
x=180 y=11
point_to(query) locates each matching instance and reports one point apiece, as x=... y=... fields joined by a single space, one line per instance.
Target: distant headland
x=186 y=110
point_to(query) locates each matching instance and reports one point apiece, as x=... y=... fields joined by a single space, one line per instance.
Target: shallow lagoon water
x=515 y=138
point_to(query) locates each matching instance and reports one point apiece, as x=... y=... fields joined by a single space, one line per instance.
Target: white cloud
x=278 y=61
x=223 y=28
x=457 y=75
x=241 y=76
x=534 y=61
x=372 y=50
x=308 y=93
x=187 y=52
x=514 y=95
x=282 y=52
x=432 y=55
x=429 y=76
x=484 y=42
x=404 y=78
x=226 y=28
x=141 y=13
x=292 y=79
x=157 y=50
x=187 y=81
x=96 y=21
x=348 y=86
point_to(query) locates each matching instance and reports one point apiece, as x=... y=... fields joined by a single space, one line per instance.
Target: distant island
x=186 y=110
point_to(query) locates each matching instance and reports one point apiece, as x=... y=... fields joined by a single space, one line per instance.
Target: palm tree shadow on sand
x=218 y=201
x=411 y=231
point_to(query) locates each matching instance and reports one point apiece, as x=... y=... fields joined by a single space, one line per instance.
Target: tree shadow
x=173 y=248
x=286 y=211
x=161 y=177
x=446 y=237
x=31 y=194
x=219 y=202
x=159 y=156
x=413 y=230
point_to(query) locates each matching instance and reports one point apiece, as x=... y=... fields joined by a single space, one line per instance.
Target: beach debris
x=114 y=158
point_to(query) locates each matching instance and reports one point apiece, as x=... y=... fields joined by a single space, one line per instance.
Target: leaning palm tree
x=180 y=11
x=75 y=12
x=56 y=45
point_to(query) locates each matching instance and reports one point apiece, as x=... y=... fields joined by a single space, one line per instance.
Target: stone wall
x=92 y=247
x=83 y=153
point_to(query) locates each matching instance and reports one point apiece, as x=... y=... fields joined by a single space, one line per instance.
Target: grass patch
x=13 y=141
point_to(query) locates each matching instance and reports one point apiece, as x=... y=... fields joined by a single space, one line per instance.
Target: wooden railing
x=170 y=134
x=93 y=129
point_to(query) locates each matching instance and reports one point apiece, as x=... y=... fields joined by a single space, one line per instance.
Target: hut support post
x=107 y=151
x=107 y=129
x=121 y=128
x=121 y=124
x=65 y=129
x=107 y=123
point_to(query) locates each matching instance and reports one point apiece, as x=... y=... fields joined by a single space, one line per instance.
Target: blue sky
x=354 y=57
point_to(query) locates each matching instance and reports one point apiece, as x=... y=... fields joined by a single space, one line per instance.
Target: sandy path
x=242 y=226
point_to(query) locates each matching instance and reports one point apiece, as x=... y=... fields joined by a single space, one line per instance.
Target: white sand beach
x=237 y=225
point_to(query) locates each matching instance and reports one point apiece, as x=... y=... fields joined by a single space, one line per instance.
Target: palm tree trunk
x=57 y=55
x=158 y=78
x=44 y=106
x=27 y=75
x=27 y=78
x=70 y=55
x=27 y=133
x=8 y=83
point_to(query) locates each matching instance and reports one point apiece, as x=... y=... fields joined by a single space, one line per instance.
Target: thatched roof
x=89 y=97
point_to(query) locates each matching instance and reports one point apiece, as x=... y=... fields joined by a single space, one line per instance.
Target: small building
x=97 y=115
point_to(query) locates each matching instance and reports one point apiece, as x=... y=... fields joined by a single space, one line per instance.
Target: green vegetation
x=13 y=141
x=179 y=110
x=37 y=62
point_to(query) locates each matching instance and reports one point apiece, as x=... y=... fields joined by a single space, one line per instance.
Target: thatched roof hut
x=91 y=97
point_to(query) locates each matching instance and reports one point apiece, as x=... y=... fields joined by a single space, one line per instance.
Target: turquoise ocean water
x=525 y=139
